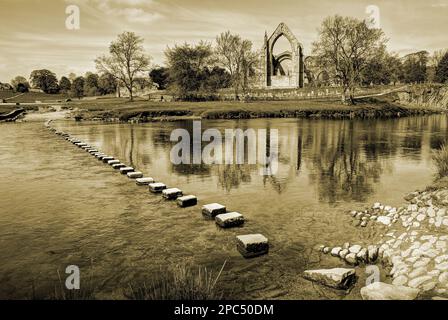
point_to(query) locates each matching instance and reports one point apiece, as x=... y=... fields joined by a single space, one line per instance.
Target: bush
x=180 y=283
x=440 y=157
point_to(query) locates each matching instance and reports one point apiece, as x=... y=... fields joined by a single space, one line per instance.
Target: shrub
x=440 y=158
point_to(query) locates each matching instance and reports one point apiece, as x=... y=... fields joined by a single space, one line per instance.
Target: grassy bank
x=106 y=109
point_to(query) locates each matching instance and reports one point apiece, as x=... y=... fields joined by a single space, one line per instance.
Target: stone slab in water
x=111 y=162
x=213 y=209
x=118 y=166
x=172 y=193
x=108 y=158
x=144 y=181
x=338 y=278
x=92 y=150
x=187 y=201
x=126 y=170
x=101 y=156
x=156 y=187
x=135 y=175
x=229 y=220
x=86 y=147
x=252 y=245
x=384 y=291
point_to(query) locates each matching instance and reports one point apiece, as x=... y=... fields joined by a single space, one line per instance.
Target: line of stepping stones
x=250 y=245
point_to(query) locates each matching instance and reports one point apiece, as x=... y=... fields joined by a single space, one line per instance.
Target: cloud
x=138 y=11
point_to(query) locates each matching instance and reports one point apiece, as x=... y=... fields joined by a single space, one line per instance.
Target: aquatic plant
x=180 y=283
x=440 y=158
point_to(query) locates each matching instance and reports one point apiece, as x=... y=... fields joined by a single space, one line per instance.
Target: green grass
x=440 y=158
x=180 y=283
x=31 y=97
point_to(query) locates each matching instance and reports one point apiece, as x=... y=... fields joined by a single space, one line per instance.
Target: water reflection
x=339 y=160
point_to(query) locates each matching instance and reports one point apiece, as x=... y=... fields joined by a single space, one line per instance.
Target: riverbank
x=146 y=111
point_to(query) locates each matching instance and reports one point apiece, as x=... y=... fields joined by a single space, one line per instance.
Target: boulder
x=135 y=175
x=355 y=248
x=351 y=259
x=372 y=253
x=252 y=245
x=384 y=291
x=384 y=220
x=144 y=181
x=335 y=251
x=107 y=159
x=339 y=278
x=156 y=187
x=126 y=170
x=187 y=201
x=111 y=162
x=213 y=209
x=228 y=220
x=118 y=166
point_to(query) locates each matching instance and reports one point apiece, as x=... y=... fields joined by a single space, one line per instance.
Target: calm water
x=59 y=206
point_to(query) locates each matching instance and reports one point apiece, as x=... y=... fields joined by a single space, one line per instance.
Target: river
x=59 y=206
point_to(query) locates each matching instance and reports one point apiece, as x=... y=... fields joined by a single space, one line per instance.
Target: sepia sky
x=33 y=33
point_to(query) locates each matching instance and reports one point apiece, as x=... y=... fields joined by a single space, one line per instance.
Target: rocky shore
x=413 y=248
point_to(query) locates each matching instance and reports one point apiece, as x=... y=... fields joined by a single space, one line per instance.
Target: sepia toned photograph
x=228 y=151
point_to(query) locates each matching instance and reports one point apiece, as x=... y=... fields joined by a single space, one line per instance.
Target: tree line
x=352 y=53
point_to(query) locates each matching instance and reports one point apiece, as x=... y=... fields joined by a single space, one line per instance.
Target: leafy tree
x=44 y=80
x=127 y=60
x=236 y=56
x=383 y=69
x=217 y=78
x=160 y=77
x=107 y=84
x=65 y=85
x=77 y=89
x=186 y=66
x=415 y=67
x=91 y=87
x=442 y=69
x=20 y=84
x=346 y=45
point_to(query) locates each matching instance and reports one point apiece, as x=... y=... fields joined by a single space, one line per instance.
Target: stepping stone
x=86 y=147
x=156 y=187
x=92 y=150
x=111 y=162
x=213 y=209
x=187 y=201
x=126 y=170
x=108 y=158
x=118 y=166
x=338 y=278
x=229 y=220
x=252 y=245
x=172 y=193
x=81 y=144
x=135 y=175
x=144 y=181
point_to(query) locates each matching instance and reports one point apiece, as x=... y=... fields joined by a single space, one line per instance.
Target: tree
x=217 y=78
x=126 y=61
x=20 y=84
x=415 y=67
x=65 y=85
x=72 y=76
x=107 y=84
x=186 y=66
x=91 y=87
x=236 y=56
x=160 y=76
x=44 y=80
x=78 y=87
x=442 y=69
x=346 y=45
x=385 y=68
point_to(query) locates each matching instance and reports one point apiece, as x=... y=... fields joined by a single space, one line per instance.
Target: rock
x=418 y=272
x=326 y=250
x=213 y=209
x=156 y=187
x=343 y=253
x=229 y=220
x=338 y=278
x=421 y=217
x=442 y=266
x=252 y=245
x=384 y=220
x=108 y=158
x=118 y=166
x=384 y=291
x=372 y=253
x=376 y=205
x=443 y=279
x=144 y=181
x=126 y=170
x=335 y=251
x=187 y=201
x=364 y=224
x=135 y=175
x=346 y=245
x=351 y=259
x=355 y=248
x=401 y=280
x=112 y=162
x=419 y=281
x=362 y=255
x=172 y=193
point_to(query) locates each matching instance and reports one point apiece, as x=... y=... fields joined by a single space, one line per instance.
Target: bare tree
x=127 y=60
x=345 y=46
x=235 y=55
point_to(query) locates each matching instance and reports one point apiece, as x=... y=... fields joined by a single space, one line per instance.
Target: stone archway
x=271 y=63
